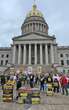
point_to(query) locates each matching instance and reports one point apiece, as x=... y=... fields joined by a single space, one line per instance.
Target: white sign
x=17 y=71
x=39 y=69
x=29 y=70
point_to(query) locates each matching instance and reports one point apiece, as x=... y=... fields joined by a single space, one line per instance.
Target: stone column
x=35 y=53
x=24 y=55
x=46 y=54
x=55 y=54
x=19 y=54
x=52 y=54
x=29 y=54
x=14 y=54
x=41 y=57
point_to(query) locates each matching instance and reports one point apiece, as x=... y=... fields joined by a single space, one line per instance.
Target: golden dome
x=34 y=12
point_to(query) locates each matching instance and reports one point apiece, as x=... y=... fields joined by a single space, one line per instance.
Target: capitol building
x=35 y=47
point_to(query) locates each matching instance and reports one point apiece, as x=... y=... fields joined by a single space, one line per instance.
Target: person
x=31 y=80
x=28 y=79
x=17 y=77
x=49 y=79
x=36 y=79
x=14 y=77
x=24 y=78
x=18 y=85
x=8 y=77
x=64 y=83
x=3 y=81
x=56 y=85
x=42 y=82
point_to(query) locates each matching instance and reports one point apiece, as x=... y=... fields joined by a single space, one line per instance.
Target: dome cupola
x=34 y=12
x=34 y=22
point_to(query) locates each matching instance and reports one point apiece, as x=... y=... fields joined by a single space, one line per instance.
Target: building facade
x=35 y=46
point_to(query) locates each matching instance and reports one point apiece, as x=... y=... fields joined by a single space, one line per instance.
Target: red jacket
x=63 y=81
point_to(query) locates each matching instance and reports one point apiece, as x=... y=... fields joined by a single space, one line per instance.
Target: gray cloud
x=13 y=13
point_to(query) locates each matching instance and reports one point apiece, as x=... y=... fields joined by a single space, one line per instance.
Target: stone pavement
x=56 y=102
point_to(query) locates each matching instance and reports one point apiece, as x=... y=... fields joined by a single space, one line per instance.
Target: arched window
x=62 y=62
x=61 y=55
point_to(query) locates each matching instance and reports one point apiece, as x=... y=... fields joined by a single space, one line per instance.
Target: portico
x=21 y=54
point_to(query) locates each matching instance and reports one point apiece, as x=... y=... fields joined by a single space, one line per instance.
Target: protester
x=49 y=79
x=3 y=81
x=42 y=82
x=56 y=85
x=28 y=79
x=36 y=79
x=31 y=80
x=64 y=83
x=8 y=77
x=18 y=85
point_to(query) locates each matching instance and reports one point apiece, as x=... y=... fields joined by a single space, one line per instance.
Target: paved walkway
x=56 y=102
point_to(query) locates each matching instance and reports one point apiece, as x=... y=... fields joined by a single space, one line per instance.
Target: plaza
x=56 y=102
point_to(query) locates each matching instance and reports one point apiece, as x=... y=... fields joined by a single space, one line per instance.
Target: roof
x=63 y=47
x=36 y=33
x=5 y=48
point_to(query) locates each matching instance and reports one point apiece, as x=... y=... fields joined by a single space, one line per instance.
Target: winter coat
x=63 y=81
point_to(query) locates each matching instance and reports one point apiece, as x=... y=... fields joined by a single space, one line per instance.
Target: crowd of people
x=60 y=82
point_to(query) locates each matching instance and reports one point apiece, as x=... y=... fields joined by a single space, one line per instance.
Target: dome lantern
x=34 y=12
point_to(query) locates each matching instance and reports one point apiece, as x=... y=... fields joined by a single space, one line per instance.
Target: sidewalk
x=56 y=102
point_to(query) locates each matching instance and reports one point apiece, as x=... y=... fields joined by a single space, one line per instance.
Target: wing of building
x=35 y=47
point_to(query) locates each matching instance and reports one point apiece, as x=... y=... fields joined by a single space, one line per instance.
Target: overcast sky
x=13 y=13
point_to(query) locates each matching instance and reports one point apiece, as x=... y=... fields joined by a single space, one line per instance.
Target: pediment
x=32 y=37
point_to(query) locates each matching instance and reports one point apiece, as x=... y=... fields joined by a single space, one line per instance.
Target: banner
x=39 y=69
x=29 y=70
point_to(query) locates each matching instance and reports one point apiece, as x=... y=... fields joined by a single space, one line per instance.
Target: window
x=2 y=56
x=7 y=55
x=67 y=55
x=68 y=71
x=62 y=62
x=61 y=55
x=1 y=62
x=63 y=71
x=67 y=62
x=6 y=62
